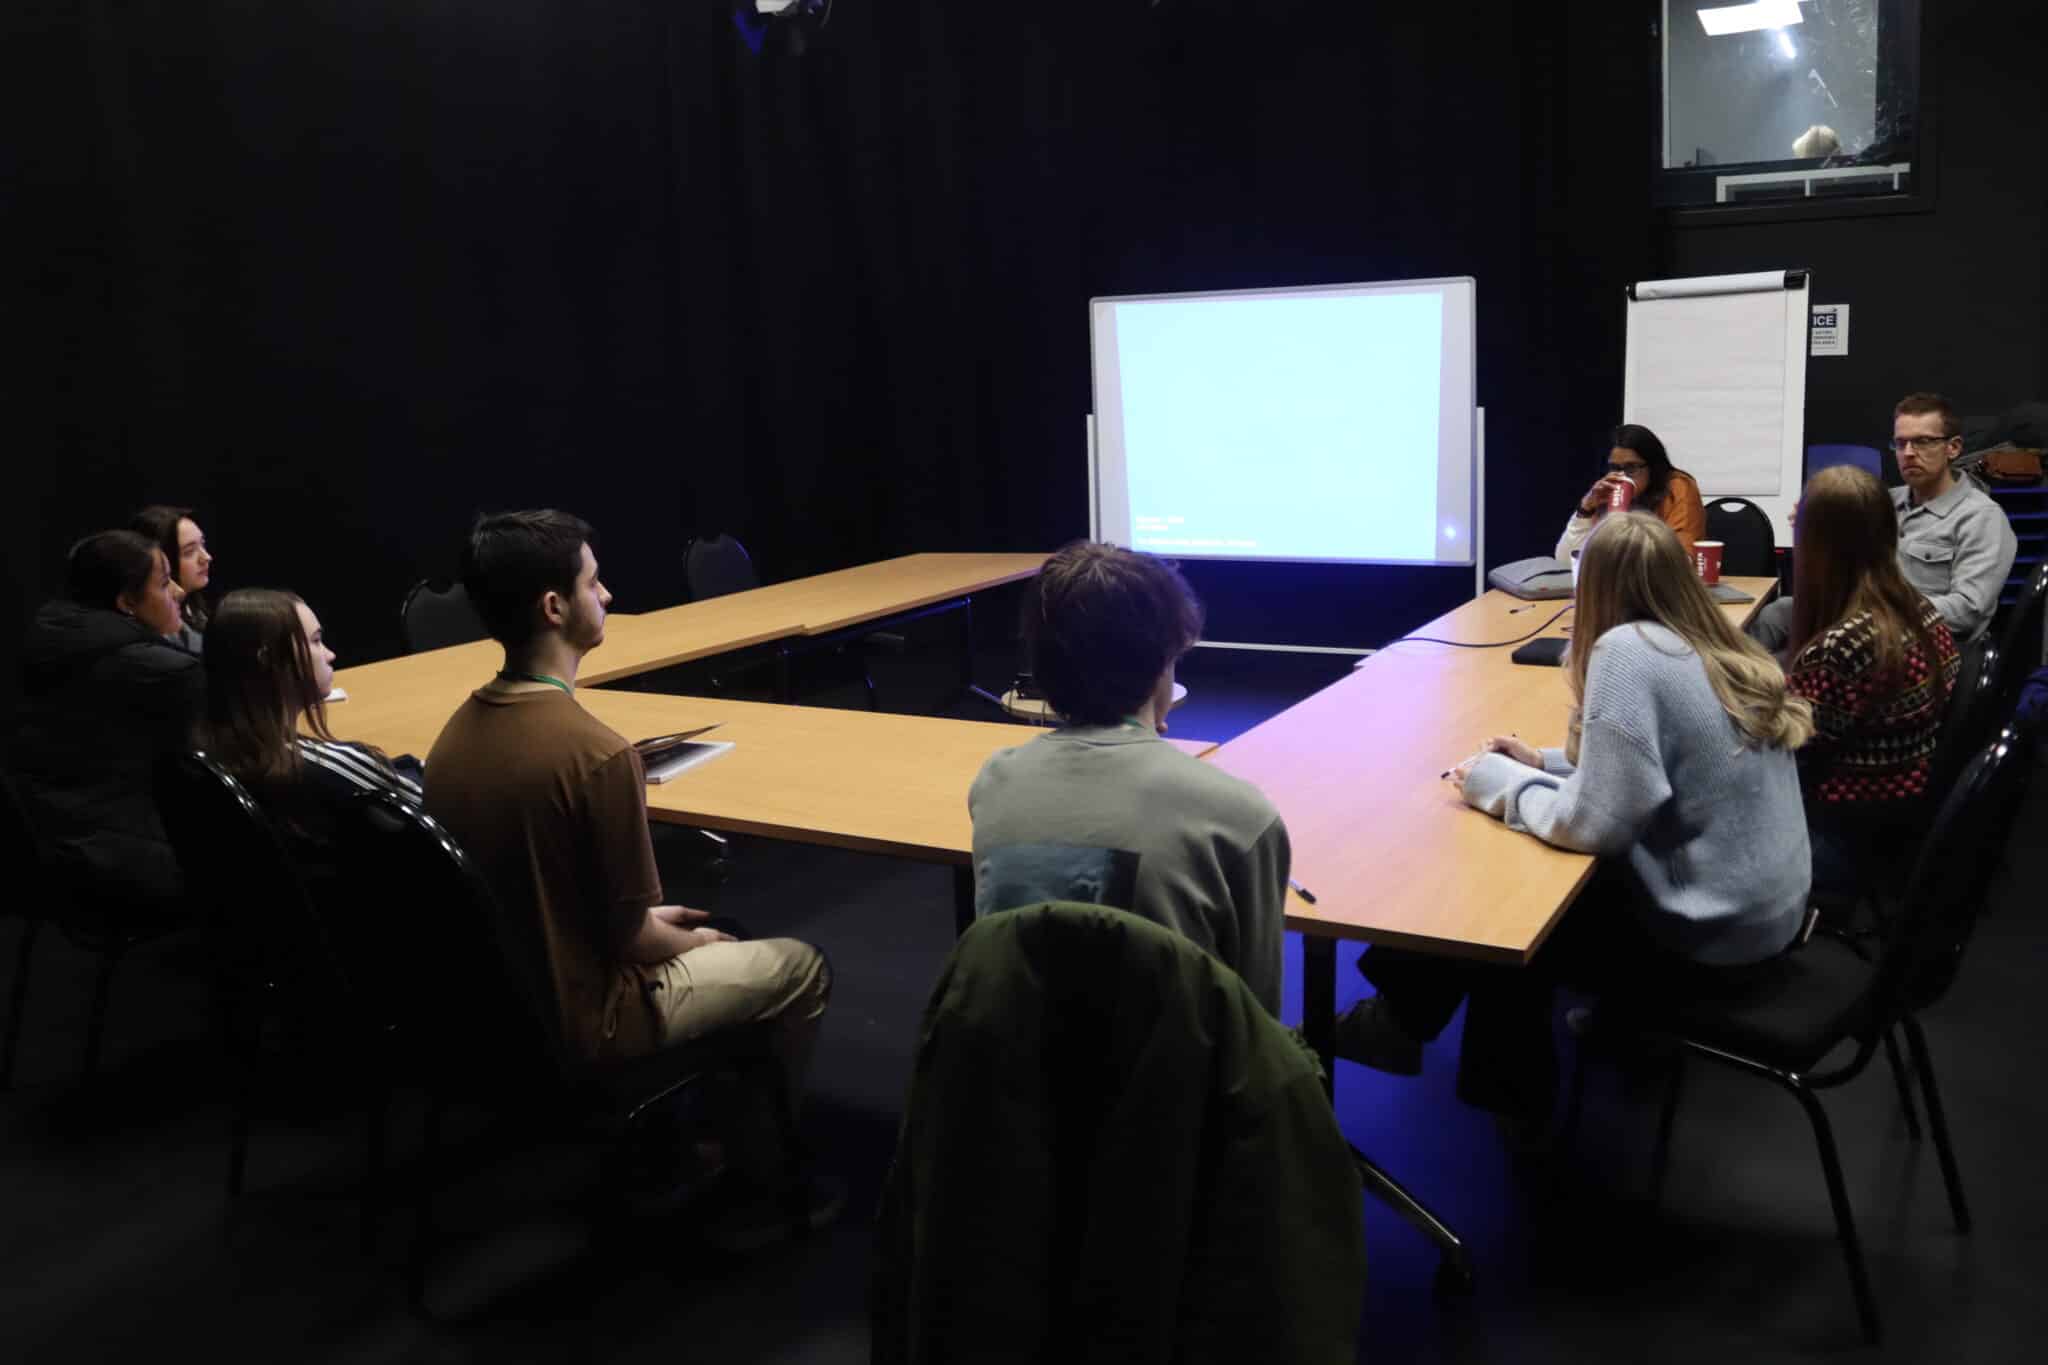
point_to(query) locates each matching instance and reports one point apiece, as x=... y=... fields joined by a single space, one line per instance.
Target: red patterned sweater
x=1874 y=736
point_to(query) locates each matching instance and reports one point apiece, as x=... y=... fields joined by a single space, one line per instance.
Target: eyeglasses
x=1632 y=470
x=1906 y=443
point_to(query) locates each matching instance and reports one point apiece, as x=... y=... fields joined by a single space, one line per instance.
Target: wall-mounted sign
x=1829 y=334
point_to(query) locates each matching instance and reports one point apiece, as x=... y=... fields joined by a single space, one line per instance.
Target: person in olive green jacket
x=1112 y=1152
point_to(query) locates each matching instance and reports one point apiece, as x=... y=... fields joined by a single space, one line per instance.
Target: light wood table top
x=403 y=702
x=1390 y=850
x=408 y=697
x=833 y=601
x=861 y=780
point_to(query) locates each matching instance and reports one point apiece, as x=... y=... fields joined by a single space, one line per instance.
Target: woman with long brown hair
x=268 y=673
x=1877 y=663
x=184 y=547
x=1678 y=770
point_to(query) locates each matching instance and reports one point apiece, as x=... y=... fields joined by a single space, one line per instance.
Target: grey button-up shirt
x=1957 y=551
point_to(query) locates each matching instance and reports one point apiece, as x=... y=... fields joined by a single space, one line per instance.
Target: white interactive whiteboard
x=1716 y=366
x=1331 y=423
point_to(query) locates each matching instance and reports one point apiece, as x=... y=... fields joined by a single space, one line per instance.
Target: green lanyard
x=509 y=676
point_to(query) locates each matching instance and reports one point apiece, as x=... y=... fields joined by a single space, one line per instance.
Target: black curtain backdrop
x=342 y=274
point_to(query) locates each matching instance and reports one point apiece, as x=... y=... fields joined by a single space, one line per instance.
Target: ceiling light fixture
x=1726 y=19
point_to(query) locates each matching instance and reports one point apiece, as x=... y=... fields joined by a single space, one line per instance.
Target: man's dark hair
x=1921 y=404
x=512 y=558
x=107 y=564
x=1101 y=624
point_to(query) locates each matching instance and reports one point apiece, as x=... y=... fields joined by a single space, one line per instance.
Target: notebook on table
x=668 y=756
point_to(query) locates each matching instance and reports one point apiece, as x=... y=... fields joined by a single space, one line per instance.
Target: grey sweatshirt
x=1114 y=815
x=1713 y=830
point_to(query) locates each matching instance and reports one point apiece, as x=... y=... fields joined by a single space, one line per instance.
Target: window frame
x=1919 y=198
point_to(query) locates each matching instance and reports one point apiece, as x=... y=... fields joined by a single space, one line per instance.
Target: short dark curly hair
x=1101 y=624
x=513 y=558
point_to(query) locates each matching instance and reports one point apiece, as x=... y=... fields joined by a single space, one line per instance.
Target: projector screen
x=1331 y=423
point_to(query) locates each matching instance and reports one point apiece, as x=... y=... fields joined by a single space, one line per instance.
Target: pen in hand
x=1490 y=747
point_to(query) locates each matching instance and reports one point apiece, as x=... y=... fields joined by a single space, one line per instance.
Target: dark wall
x=342 y=274
x=1950 y=299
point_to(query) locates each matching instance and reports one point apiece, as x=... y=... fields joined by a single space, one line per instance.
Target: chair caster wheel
x=1453 y=1280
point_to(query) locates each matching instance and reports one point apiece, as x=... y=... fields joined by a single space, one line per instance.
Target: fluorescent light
x=1725 y=19
x=1785 y=46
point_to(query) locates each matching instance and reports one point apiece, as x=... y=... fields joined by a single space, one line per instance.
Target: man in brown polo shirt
x=552 y=806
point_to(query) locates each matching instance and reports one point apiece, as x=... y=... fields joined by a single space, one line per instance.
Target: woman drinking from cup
x=1640 y=477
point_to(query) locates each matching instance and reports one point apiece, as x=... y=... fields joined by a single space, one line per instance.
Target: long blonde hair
x=1634 y=570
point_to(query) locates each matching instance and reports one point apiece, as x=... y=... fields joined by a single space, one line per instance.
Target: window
x=1788 y=103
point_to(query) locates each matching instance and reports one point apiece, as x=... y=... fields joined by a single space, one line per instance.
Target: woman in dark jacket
x=105 y=693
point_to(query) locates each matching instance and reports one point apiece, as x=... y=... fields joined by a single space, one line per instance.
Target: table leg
x=968 y=687
x=1319 y=1004
x=963 y=898
x=1318 y=1026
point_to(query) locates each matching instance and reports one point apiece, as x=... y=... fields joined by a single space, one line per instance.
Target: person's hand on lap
x=686 y=919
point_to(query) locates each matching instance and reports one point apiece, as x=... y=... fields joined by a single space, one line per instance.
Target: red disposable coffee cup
x=1706 y=557
x=1621 y=494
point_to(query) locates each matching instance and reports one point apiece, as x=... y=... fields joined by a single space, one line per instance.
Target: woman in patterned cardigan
x=1874 y=658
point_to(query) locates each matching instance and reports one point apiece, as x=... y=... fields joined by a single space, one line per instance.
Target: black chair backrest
x=1952 y=875
x=448 y=979
x=1971 y=716
x=20 y=846
x=1745 y=529
x=2020 y=645
x=716 y=565
x=240 y=879
x=434 y=617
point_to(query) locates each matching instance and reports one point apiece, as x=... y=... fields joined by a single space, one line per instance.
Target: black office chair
x=1066 y=1056
x=1745 y=529
x=45 y=892
x=714 y=566
x=1832 y=993
x=1973 y=715
x=280 y=976
x=436 y=615
x=2020 y=645
x=474 y=1027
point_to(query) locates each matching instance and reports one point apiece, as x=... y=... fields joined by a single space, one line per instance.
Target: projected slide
x=1304 y=425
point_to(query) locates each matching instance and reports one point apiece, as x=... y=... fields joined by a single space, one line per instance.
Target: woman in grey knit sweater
x=1678 y=770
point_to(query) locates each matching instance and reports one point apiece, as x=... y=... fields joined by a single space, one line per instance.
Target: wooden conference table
x=1391 y=852
x=875 y=783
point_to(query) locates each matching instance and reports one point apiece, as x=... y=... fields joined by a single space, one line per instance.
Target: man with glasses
x=1955 y=545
